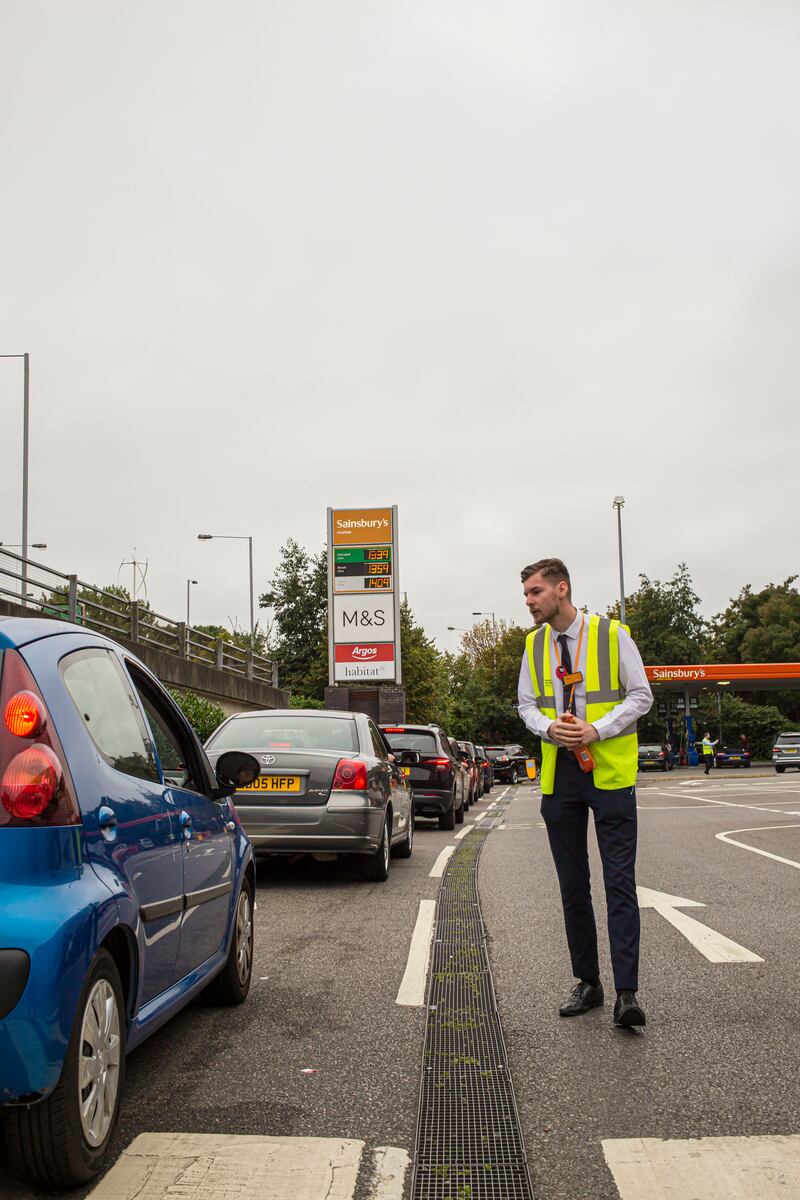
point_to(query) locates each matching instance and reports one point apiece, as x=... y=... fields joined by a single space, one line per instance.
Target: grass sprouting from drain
x=469 y=1145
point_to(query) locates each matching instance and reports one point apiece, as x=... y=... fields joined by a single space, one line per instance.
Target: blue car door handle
x=107 y=820
x=185 y=823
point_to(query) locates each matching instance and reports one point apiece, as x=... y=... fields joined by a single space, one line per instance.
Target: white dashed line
x=391 y=1166
x=412 y=986
x=467 y=829
x=441 y=863
x=716 y=1168
x=199 y=1165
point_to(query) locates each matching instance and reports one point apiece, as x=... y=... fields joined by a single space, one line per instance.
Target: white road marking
x=198 y=1166
x=712 y=945
x=467 y=829
x=412 y=986
x=441 y=863
x=391 y=1165
x=726 y=837
x=728 y=803
x=716 y=1168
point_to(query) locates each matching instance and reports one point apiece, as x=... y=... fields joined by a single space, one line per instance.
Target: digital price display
x=378 y=583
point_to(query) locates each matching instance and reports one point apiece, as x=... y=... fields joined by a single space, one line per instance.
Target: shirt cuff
x=601 y=725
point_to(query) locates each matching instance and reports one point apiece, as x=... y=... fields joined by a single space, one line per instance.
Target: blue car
x=126 y=885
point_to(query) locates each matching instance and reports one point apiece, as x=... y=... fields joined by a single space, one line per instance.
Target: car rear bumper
x=786 y=760
x=319 y=830
x=49 y=932
x=432 y=802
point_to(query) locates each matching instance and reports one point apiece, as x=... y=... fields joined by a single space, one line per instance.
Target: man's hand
x=572 y=734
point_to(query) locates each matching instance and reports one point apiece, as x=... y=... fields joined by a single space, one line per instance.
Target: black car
x=488 y=772
x=436 y=777
x=508 y=762
x=652 y=755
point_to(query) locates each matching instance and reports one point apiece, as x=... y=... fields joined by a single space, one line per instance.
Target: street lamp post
x=238 y=537
x=25 y=426
x=494 y=635
x=189 y=583
x=618 y=504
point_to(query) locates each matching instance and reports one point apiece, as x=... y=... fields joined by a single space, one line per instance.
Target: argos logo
x=365 y=652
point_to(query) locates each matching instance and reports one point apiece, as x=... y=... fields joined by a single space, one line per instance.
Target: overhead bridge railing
x=54 y=594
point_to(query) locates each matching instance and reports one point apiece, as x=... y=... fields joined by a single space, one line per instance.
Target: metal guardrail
x=70 y=599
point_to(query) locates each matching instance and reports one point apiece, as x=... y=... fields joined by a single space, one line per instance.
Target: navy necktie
x=566 y=662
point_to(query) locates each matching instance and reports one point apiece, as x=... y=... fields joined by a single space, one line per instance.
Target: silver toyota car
x=329 y=784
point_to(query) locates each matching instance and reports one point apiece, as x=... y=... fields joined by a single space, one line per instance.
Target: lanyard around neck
x=575 y=664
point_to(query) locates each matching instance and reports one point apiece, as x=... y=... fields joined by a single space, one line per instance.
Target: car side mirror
x=409 y=758
x=235 y=770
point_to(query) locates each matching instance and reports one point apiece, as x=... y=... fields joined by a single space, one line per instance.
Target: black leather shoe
x=628 y=1011
x=582 y=997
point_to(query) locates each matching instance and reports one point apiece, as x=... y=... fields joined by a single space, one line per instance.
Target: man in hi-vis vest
x=582 y=687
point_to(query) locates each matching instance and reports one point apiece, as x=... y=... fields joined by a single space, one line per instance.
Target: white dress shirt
x=632 y=681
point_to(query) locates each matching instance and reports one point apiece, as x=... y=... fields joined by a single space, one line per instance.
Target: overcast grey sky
x=494 y=263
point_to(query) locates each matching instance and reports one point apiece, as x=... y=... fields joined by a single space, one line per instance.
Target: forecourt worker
x=708 y=751
x=582 y=687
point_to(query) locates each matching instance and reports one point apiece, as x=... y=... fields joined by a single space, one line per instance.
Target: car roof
x=21 y=631
x=296 y=712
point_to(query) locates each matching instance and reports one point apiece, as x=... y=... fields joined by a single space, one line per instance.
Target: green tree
x=203 y=715
x=759 y=626
x=665 y=620
x=298 y=596
x=424 y=672
x=761 y=722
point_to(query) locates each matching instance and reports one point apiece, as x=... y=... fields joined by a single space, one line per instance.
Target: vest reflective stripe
x=616 y=759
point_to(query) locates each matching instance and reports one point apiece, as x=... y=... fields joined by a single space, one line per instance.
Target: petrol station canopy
x=743 y=677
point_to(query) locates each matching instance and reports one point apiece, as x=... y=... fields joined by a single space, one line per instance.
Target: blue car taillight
x=35 y=789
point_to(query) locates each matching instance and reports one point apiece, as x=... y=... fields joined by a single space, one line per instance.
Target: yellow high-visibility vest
x=616 y=759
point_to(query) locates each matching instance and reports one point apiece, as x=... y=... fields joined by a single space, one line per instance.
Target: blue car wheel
x=62 y=1141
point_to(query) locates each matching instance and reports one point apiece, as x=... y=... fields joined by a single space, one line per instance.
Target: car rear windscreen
x=495 y=751
x=650 y=748
x=789 y=739
x=287 y=732
x=412 y=739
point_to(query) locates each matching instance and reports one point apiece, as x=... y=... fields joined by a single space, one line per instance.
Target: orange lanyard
x=568 y=708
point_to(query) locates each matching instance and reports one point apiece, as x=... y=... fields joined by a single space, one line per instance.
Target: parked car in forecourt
x=488 y=773
x=127 y=886
x=786 y=751
x=654 y=755
x=329 y=784
x=436 y=776
x=733 y=755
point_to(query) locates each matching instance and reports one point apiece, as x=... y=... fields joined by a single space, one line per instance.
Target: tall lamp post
x=189 y=583
x=25 y=427
x=494 y=635
x=618 y=504
x=235 y=537
x=238 y=537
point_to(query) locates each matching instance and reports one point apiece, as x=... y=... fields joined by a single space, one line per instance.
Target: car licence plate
x=735 y=757
x=788 y=750
x=273 y=783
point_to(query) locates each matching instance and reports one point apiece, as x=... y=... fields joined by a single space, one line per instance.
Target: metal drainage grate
x=469 y=1142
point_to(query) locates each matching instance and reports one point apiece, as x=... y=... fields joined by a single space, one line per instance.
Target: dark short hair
x=548 y=568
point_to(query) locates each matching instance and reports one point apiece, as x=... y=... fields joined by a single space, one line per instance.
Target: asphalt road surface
x=321 y=1049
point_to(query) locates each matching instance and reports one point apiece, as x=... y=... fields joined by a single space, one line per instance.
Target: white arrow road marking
x=714 y=946
x=441 y=863
x=412 y=986
x=726 y=837
x=716 y=1168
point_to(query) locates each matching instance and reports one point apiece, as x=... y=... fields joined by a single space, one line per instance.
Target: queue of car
x=127 y=862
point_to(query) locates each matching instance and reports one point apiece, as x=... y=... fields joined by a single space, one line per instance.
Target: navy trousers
x=566 y=815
